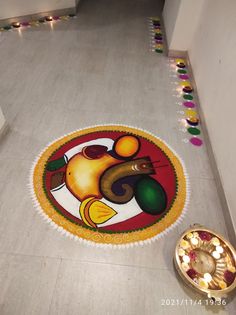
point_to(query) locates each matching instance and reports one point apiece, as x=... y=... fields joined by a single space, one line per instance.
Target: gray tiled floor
x=92 y=70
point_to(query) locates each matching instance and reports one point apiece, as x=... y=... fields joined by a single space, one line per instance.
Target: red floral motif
x=191 y=273
x=204 y=236
x=192 y=255
x=229 y=276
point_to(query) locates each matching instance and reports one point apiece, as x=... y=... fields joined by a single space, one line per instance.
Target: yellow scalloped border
x=95 y=236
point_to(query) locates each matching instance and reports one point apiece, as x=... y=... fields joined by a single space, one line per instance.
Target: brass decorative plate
x=206 y=261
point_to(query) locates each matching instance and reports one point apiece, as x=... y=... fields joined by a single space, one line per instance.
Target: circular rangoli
x=110 y=185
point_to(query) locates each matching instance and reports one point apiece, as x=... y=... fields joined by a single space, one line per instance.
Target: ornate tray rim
x=210 y=293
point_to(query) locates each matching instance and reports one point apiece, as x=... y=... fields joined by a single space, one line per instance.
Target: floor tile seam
x=83 y=261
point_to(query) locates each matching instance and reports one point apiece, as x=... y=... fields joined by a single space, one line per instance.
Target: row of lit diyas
x=184 y=88
x=206 y=260
x=156 y=35
x=45 y=19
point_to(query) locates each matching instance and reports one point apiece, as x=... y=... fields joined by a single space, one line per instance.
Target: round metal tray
x=206 y=261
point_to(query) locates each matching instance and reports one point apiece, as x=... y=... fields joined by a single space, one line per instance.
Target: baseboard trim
x=210 y=151
x=177 y=54
x=213 y=163
x=36 y=16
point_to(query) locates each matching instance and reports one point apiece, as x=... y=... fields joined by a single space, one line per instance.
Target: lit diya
x=16 y=24
x=180 y=65
x=49 y=18
x=206 y=261
x=192 y=121
x=187 y=89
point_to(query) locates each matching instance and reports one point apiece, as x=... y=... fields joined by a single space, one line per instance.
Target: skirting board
x=177 y=54
x=37 y=16
x=215 y=170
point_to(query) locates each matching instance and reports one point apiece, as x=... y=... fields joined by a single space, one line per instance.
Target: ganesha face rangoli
x=110 y=184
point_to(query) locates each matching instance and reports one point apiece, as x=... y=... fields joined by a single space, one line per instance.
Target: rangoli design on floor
x=184 y=88
x=156 y=34
x=110 y=185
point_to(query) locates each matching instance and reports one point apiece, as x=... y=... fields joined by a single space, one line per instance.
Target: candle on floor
x=16 y=24
x=180 y=65
x=187 y=89
x=192 y=121
x=48 y=18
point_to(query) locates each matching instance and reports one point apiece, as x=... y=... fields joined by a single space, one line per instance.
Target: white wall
x=181 y=19
x=13 y=8
x=170 y=14
x=211 y=43
x=212 y=55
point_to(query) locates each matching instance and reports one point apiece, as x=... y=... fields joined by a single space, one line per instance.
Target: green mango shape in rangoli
x=150 y=195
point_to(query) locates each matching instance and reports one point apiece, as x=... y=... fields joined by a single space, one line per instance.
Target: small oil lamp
x=180 y=65
x=16 y=24
x=187 y=89
x=192 y=121
x=48 y=18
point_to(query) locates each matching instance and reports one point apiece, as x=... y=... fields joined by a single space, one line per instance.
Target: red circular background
x=165 y=176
